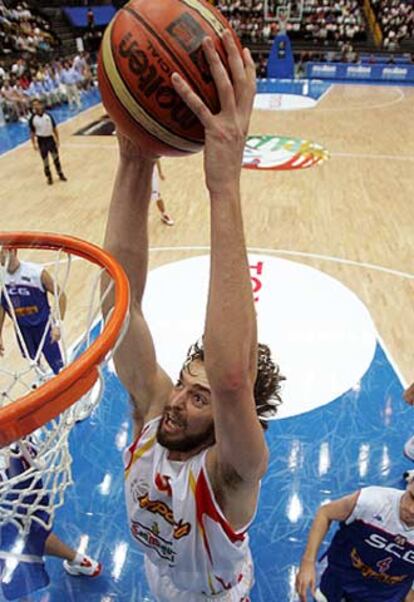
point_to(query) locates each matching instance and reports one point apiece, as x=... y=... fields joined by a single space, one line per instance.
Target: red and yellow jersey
x=175 y=519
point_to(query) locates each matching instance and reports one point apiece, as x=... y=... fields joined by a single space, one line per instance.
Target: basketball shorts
x=155 y=186
x=47 y=145
x=22 y=568
x=32 y=336
x=164 y=590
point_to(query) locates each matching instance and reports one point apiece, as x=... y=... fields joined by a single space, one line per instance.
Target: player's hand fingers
x=250 y=86
x=221 y=77
x=236 y=64
x=191 y=99
x=301 y=591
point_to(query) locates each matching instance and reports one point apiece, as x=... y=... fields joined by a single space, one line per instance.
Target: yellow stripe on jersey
x=138 y=453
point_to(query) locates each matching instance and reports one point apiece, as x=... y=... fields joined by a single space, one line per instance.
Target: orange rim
x=48 y=401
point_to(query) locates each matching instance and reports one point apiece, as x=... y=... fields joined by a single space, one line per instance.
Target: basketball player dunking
x=192 y=474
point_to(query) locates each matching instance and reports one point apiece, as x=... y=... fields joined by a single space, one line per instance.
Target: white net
x=36 y=470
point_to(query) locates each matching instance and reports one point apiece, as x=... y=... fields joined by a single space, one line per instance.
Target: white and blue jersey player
x=22 y=559
x=27 y=286
x=371 y=556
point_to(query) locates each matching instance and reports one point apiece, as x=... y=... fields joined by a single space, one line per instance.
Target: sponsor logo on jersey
x=369 y=573
x=150 y=538
x=282 y=153
x=396 y=547
x=180 y=529
x=18 y=290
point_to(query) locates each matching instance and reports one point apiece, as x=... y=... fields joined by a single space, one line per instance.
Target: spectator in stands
x=70 y=78
x=80 y=63
x=14 y=106
x=90 y=19
x=396 y=20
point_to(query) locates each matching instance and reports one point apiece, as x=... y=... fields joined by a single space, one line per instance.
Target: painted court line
x=366 y=107
x=368 y=156
x=332 y=154
x=332 y=259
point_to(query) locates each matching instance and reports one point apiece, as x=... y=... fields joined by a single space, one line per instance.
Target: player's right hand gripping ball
x=144 y=44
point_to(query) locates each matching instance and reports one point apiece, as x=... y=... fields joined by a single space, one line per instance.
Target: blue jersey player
x=371 y=556
x=27 y=286
x=22 y=560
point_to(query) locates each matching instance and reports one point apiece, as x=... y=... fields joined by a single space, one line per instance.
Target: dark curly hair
x=267 y=384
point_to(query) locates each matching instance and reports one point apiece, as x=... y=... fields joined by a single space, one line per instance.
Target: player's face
x=407 y=506
x=187 y=424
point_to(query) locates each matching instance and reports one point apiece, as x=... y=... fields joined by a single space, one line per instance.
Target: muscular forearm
x=319 y=529
x=128 y=214
x=230 y=337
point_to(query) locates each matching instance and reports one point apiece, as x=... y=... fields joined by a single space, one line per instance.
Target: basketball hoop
x=37 y=407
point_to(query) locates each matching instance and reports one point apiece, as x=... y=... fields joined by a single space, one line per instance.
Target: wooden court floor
x=358 y=206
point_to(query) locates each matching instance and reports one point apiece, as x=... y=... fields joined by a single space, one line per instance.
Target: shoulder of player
x=31 y=268
x=373 y=498
x=376 y=492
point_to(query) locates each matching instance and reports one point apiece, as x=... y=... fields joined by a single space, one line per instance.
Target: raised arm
x=230 y=333
x=338 y=510
x=127 y=239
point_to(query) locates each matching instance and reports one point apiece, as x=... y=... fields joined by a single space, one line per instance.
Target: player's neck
x=176 y=456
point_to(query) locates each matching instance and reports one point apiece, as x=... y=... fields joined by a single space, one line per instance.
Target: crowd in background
x=337 y=24
x=322 y=21
x=396 y=20
x=54 y=83
x=23 y=32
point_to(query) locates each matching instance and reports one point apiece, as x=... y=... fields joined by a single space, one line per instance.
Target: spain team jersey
x=27 y=295
x=372 y=553
x=192 y=553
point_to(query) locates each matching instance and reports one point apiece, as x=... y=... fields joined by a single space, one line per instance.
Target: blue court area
x=13 y=134
x=355 y=440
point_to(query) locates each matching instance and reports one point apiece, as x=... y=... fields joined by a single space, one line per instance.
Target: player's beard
x=186 y=443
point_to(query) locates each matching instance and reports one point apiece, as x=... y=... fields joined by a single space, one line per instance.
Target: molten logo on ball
x=142 y=64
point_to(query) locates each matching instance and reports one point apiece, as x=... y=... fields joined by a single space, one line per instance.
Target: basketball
x=147 y=41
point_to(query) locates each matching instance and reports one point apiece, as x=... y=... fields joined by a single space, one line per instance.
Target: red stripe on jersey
x=205 y=504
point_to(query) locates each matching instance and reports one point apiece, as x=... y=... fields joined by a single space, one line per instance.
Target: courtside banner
x=400 y=73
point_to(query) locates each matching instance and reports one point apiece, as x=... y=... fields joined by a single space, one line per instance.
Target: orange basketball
x=144 y=44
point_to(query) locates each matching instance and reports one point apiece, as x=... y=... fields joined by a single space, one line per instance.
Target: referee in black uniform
x=45 y=138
